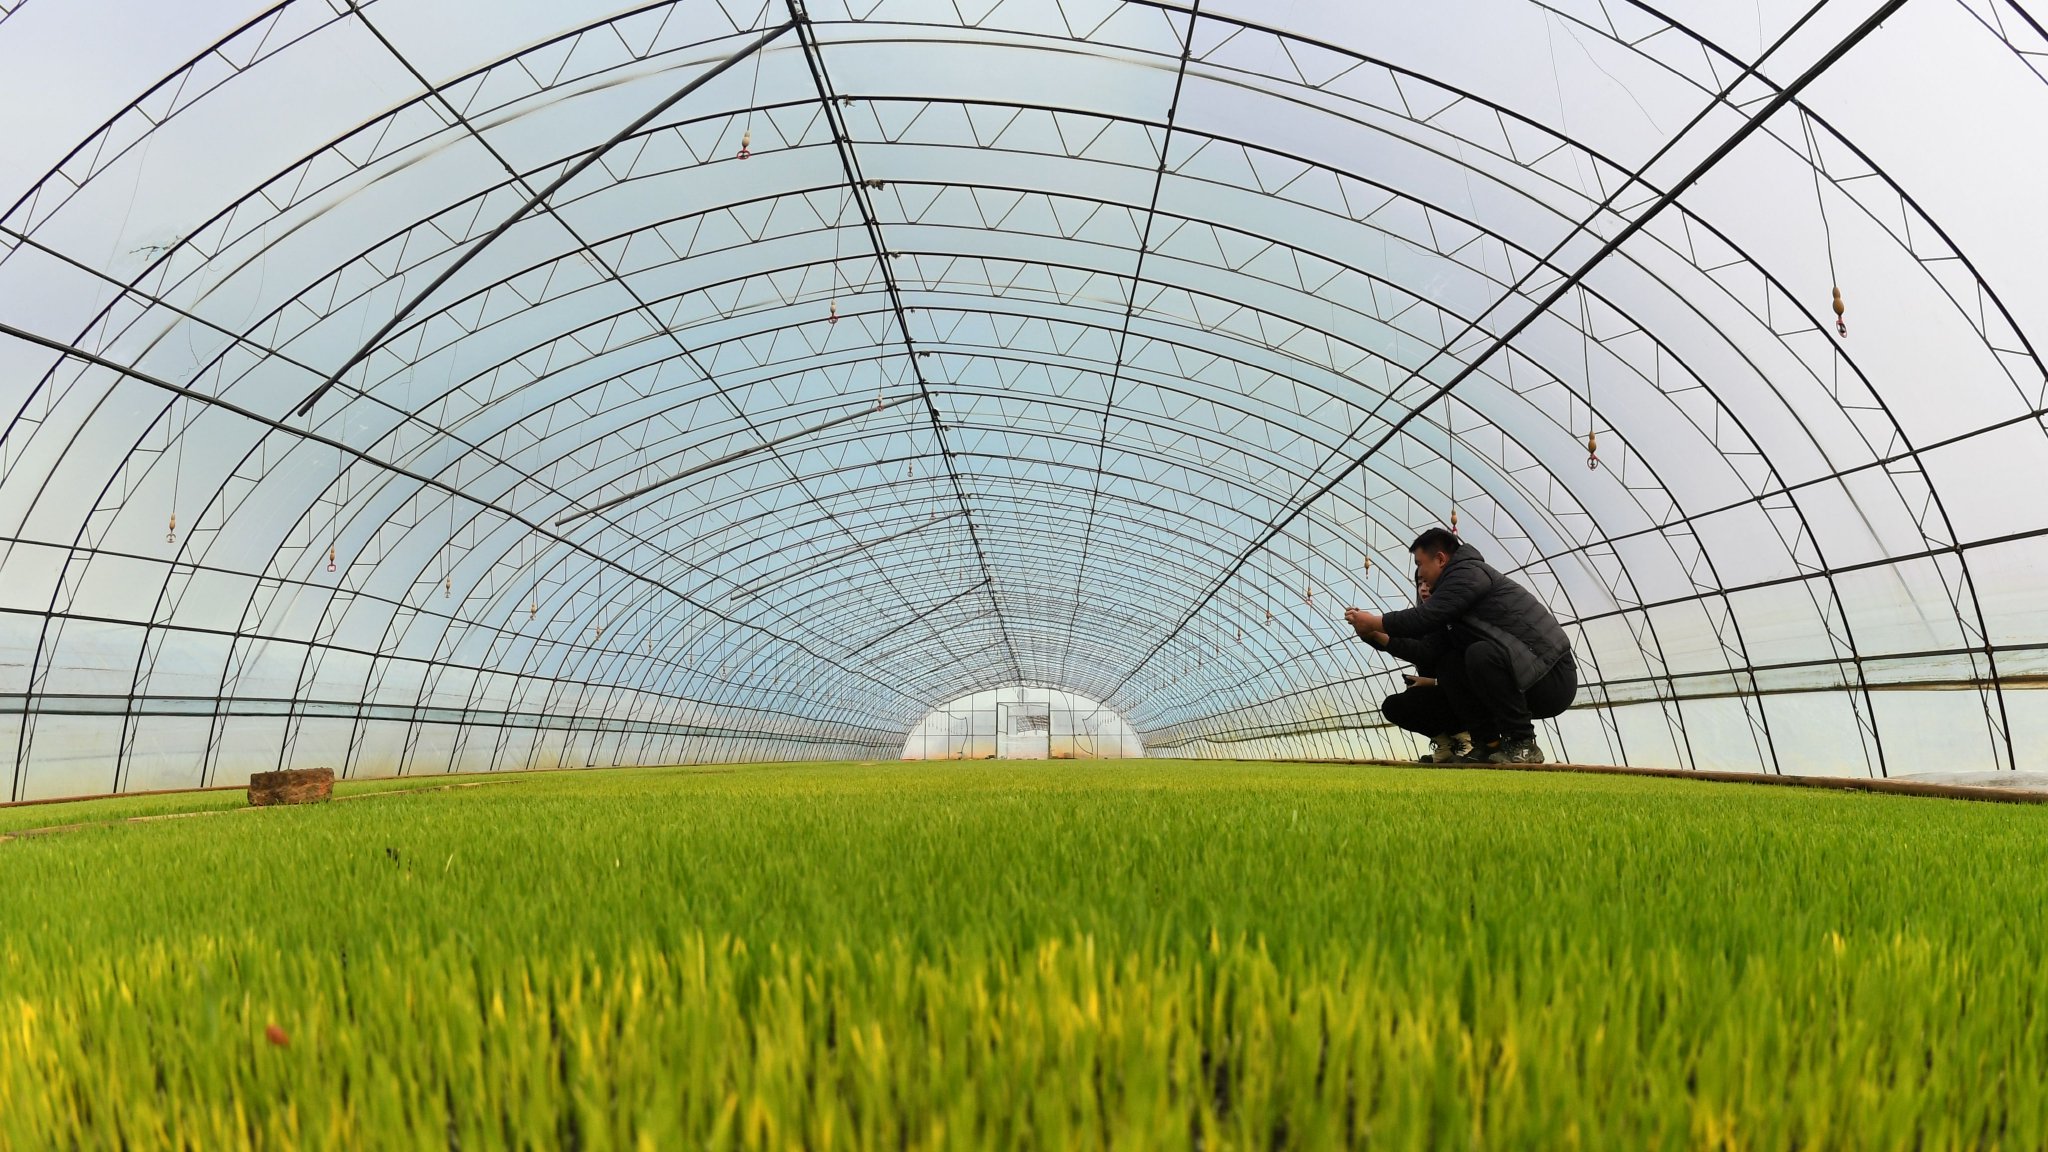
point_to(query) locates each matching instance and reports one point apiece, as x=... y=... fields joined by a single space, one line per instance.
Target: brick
x=292 y=786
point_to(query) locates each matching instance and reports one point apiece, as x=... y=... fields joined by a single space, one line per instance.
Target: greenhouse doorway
x=1023 y=731
x=1022 y=723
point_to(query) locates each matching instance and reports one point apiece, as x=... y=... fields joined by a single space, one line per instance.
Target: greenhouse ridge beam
x=1563 y=288
x=1180 y=77
x=856 y=188
x=570 y=173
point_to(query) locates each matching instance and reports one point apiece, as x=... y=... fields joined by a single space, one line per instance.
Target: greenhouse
x=748 y=397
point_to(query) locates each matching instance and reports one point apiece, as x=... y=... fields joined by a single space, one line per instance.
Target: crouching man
x=1505 y=661
x=1422 y=707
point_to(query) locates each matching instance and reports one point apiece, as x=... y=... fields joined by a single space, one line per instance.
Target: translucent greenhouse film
x=1022 y=724
x=411 y=386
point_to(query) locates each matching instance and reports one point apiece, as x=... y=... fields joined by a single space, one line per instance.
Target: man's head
x=1432 y=551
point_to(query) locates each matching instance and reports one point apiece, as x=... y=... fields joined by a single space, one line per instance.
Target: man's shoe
x=1516 y=752
x=1450 y=749
x=1476 y=752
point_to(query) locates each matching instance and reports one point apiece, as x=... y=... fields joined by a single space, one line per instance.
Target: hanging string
x=177 y=471
x=753 y=98
x=1586 y=363
x=838 y=225
x=1365 y=497
x=1826 y=232
x=448 y=581
x=340 y=473
x=1308 y=547
x=1450 y=461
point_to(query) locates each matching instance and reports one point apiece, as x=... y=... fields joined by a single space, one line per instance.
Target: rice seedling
x=1083 y=954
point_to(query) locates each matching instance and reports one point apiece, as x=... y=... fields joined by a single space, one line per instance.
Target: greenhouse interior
x=780 y=408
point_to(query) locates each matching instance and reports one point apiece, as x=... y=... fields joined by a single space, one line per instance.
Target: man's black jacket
x=1423 y=652
x=1470 y=594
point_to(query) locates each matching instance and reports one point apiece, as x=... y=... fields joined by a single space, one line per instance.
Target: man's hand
x=1366 y=623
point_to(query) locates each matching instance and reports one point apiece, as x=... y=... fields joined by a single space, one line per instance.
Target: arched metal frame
x=1173 y=377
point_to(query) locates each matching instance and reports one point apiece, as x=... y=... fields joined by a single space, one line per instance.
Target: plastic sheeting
x=1180 y=316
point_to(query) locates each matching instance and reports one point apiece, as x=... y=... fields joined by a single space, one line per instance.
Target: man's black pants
x=1482 y=692
x=1425 y=710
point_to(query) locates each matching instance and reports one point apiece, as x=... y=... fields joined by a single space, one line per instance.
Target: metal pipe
x=568 y=174
x=857 y=546
x=728 y=458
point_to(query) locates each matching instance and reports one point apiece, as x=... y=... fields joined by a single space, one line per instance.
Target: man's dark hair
x=1435 y=540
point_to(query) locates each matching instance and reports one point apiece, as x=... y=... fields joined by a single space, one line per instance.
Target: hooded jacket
x=1471 y=594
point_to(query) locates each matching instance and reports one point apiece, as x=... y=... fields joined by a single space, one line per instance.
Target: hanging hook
x=447 y=587
x=1592 y=451
x=171 y=537
x=832 y=317
x=331 y=566
x=1454 y=519
x=746 y=144
x=1841 y=325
